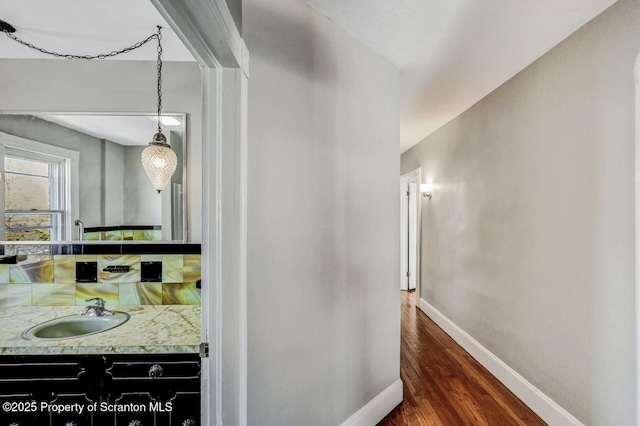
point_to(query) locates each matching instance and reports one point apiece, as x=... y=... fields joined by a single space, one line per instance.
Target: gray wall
x=112 y=184
x=144 y=204
x=57 y=85
x=172 y=214
x=323 y=218
x=528 y=241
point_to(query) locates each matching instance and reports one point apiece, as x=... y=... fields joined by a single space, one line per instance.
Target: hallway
x=444 y=385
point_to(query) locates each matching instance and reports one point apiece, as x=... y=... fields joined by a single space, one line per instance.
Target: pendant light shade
x=159 y=162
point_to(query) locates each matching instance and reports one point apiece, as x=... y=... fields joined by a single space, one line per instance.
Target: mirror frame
x=185 y=165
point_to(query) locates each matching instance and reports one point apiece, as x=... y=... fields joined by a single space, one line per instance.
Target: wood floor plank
x=444 y=385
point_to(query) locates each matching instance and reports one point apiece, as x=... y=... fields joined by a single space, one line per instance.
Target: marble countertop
x=151 y=329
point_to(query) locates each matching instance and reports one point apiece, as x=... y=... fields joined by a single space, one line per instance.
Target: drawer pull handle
x=156 y=370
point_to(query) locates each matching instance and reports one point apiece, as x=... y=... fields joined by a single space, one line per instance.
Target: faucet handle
x=99 y=302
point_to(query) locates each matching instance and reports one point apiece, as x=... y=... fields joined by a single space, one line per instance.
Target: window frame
x=58 y=196
x=64 y=195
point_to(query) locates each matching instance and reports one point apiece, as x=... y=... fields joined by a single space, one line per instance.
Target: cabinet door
x=73 y=417
x=186 y=409
x=140 y=413
x=17 y=414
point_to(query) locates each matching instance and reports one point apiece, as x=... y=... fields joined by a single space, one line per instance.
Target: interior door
x=404 y=234
x=409 y=192
x=412 y=234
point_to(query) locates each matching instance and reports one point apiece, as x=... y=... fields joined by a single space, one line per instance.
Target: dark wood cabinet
x=100 y=390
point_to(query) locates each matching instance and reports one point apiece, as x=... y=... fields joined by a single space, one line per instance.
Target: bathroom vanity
x=145 y=371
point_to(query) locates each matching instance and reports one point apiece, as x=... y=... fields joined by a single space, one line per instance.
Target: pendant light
x=158 y=159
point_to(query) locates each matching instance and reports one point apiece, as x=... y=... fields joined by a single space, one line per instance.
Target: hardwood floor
x=444 y=385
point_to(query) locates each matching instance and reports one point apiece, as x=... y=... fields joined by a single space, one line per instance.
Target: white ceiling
x=452 y=53
x=125 y=130
x=87 y=27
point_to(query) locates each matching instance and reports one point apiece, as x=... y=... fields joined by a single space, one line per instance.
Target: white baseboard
x=378 y=407
x=541 y=404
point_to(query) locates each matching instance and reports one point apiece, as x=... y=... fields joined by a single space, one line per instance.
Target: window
x=35 y=196
x=39 y=191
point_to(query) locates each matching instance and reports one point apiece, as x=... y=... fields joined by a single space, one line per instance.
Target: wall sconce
x=425 y=189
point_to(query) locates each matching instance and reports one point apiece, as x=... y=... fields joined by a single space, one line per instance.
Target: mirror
x=79 y=177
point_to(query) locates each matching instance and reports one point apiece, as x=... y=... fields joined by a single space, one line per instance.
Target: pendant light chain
x=158 y=159
x=87 y=57
x=156 y=36
x=159 y=37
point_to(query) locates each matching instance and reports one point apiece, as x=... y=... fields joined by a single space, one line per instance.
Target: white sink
x=74 y=326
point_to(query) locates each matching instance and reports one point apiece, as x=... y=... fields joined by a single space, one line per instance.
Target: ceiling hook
x=6 y=27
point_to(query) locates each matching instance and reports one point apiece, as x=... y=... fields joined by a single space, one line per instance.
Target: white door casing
x=413 y=189
x=208 y=30
x=404 y=235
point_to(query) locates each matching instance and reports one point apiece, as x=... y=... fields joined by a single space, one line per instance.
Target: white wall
x=57 y=85
x=323 y=227
x=528 y=241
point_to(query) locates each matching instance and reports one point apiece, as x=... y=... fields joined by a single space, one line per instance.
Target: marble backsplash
x=52 y=281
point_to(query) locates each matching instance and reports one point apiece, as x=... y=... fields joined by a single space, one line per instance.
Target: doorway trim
x=209 y=32
x=415 y=176
x=636 y=73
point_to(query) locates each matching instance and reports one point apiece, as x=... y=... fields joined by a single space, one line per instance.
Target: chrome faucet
x=80 y=226
x=97 y=310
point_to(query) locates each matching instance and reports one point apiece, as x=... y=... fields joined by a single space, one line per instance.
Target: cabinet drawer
x=155 y=369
